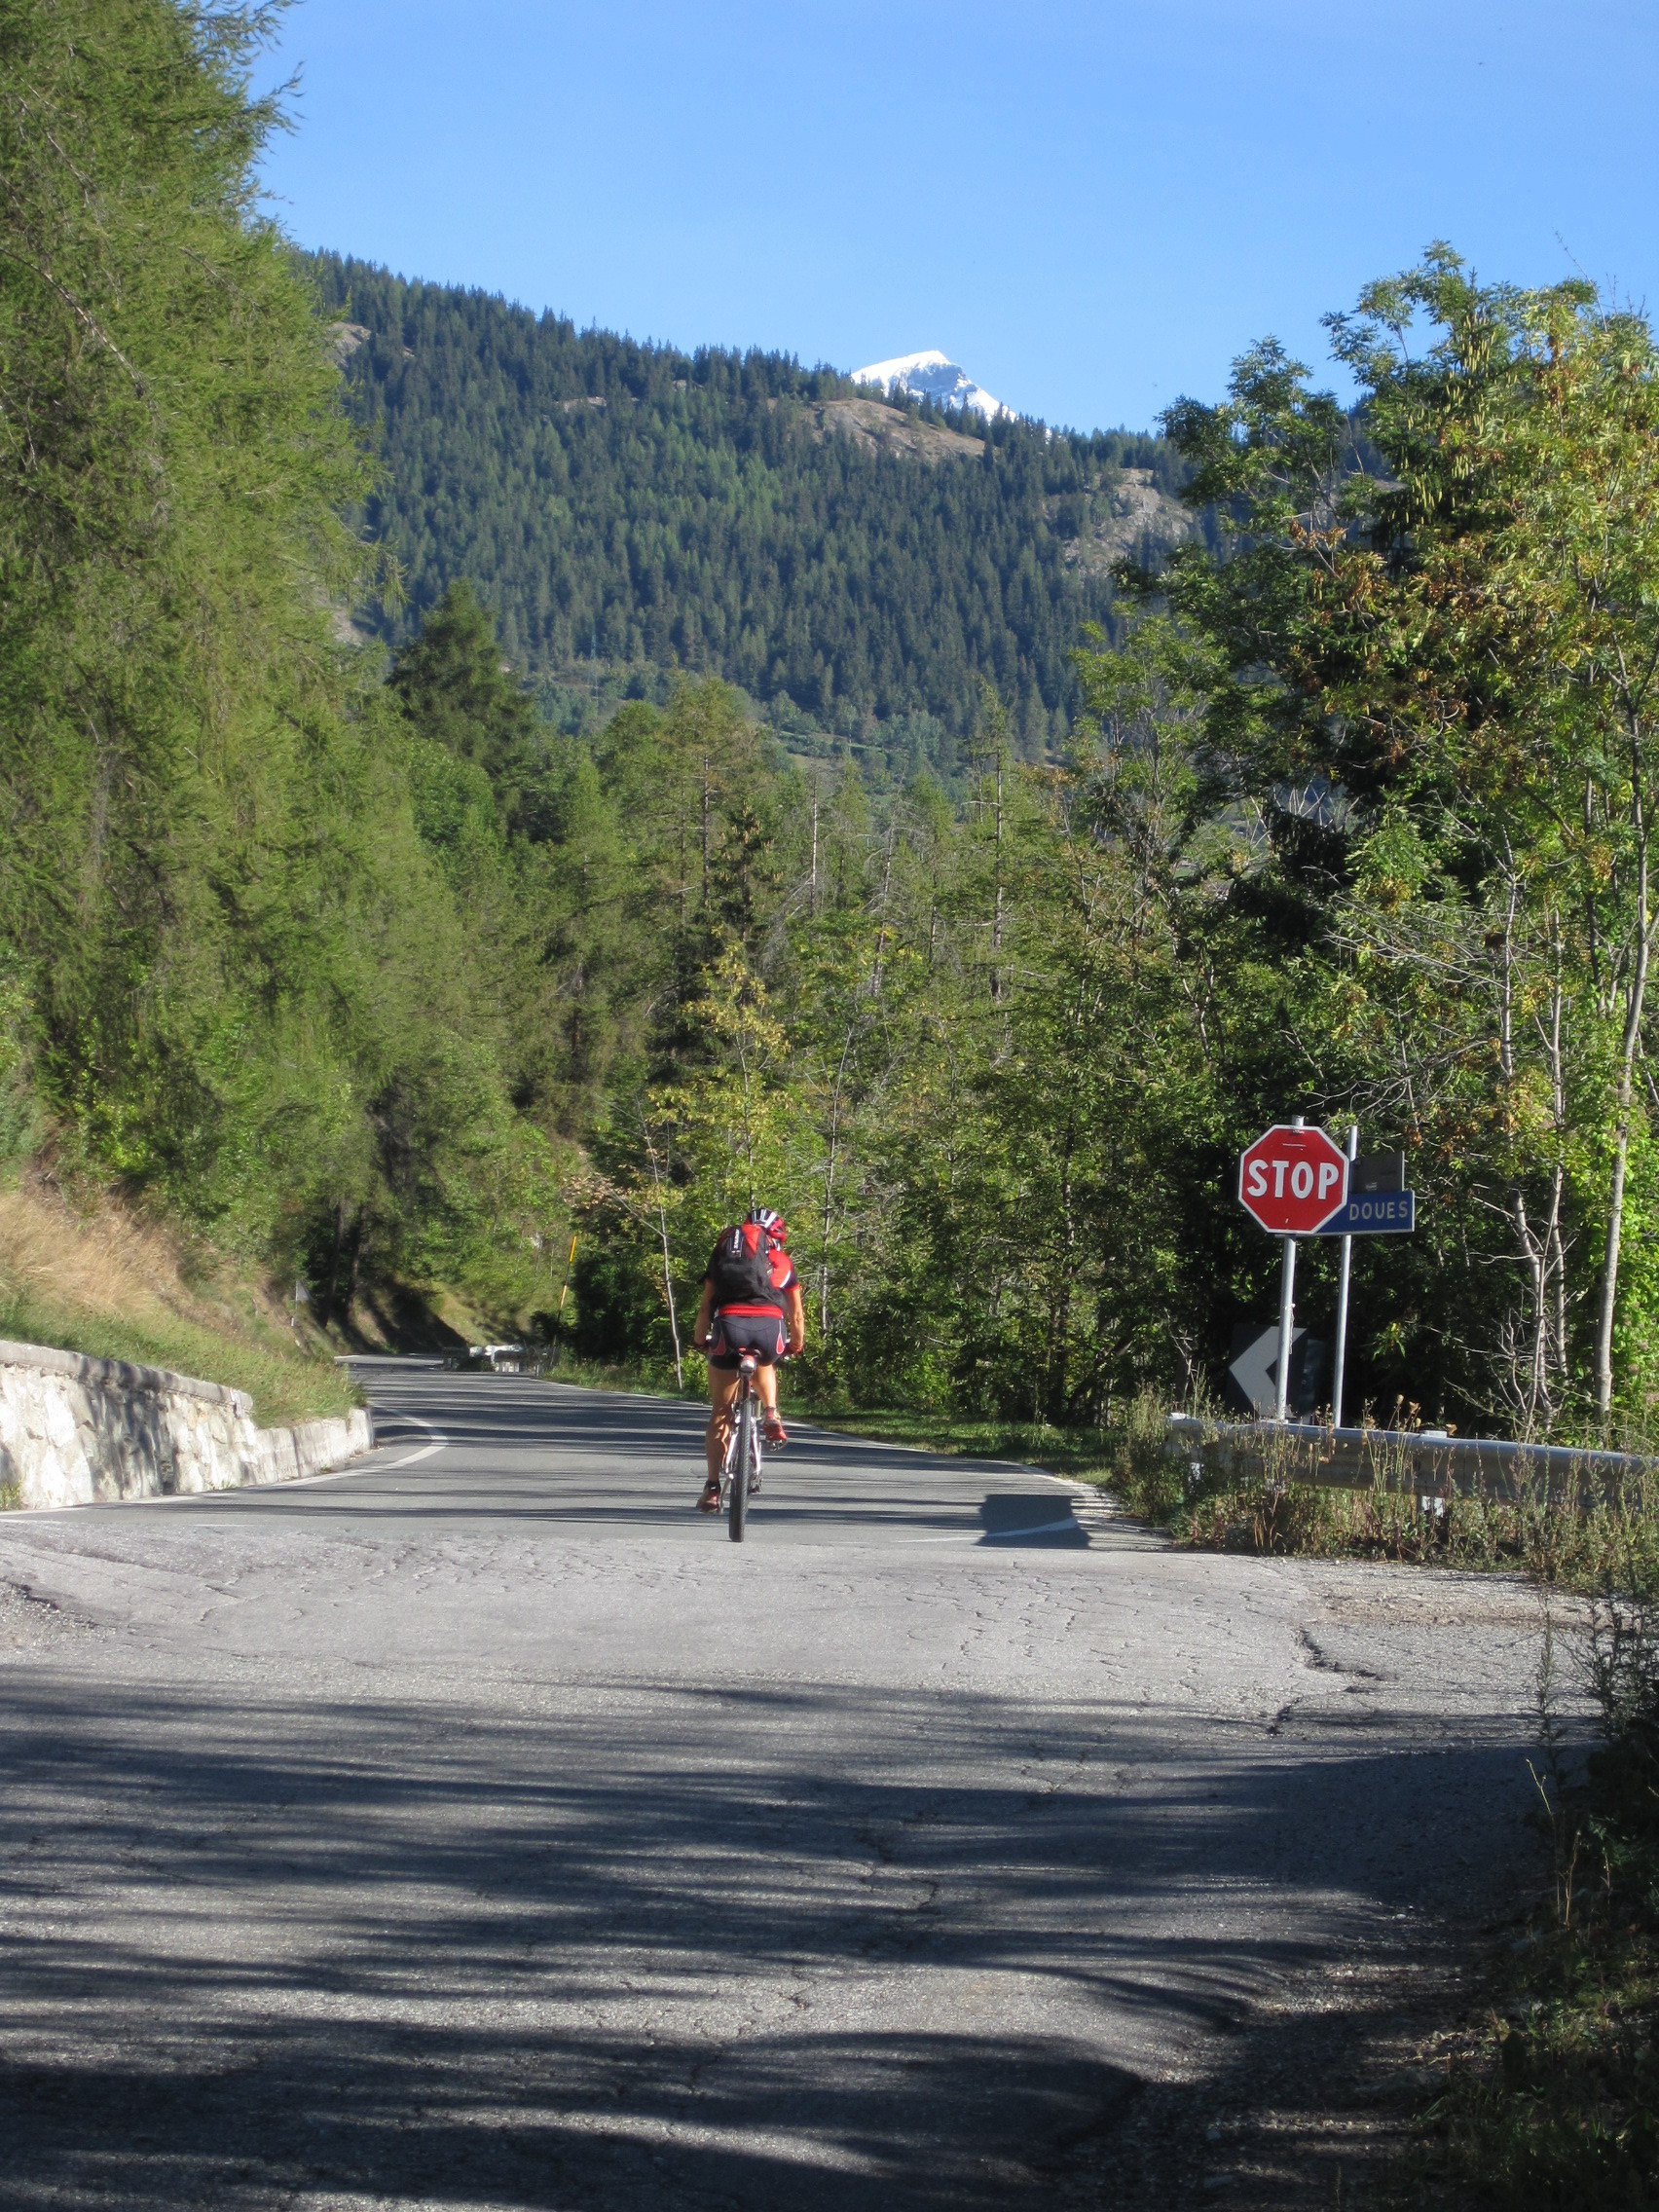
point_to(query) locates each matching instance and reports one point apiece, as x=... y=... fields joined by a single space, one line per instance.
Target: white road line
x=438 y=1444
x=357 y=1466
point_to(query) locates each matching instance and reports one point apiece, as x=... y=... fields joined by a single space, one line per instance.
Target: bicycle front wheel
x=737 y=1511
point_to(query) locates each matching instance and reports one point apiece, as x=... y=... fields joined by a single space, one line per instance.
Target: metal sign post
x=1378 y=1205
x=1343 y=1296
x=1287 y=1312
x=1287 y=1327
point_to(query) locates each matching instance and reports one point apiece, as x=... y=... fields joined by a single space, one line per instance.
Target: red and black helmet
x=771 y=1221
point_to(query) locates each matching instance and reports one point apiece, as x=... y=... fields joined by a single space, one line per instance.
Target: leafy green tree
x=1434 y=680
x=237 y=968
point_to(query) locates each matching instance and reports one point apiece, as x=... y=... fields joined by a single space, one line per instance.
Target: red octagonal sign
x=1293 y=1180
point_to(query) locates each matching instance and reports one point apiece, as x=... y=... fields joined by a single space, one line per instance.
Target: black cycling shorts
x=758 y=1329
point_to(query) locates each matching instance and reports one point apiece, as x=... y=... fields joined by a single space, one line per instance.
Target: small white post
x=1287 y=1315
x=1342 y=1294
x=1287 y=1320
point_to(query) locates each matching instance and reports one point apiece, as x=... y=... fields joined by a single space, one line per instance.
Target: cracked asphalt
x=481 y=1828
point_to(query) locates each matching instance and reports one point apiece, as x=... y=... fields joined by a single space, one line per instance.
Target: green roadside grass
x=1551 y=2101
x=82 y=1271
x=1090 y=1454
x=618 y=1375
x=286 y=1383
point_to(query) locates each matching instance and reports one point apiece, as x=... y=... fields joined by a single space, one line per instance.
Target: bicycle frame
x=742 y=1466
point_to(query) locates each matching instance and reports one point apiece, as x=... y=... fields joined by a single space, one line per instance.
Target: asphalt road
x=481 y=1828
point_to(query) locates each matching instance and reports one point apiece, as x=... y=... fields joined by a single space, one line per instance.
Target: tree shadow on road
x=811 y=1945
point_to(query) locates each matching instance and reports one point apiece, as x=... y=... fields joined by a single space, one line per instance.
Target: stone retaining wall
x=79 y=1431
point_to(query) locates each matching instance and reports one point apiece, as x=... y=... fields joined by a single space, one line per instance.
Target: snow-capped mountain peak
x=931 y=376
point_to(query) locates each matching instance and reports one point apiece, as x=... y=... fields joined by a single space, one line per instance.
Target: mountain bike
x=741 y=1473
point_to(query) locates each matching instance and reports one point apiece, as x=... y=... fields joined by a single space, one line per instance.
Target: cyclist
x=751 y=1301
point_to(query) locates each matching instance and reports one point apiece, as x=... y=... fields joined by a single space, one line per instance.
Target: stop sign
x=1291 y=1181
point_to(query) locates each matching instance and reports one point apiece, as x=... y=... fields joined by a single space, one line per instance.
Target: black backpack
x=740 y=1269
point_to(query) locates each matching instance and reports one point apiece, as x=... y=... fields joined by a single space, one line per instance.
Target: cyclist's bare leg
x=722 y=1396
x=766 y=1388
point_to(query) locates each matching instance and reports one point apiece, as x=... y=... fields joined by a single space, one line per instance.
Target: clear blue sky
x=1092 y=206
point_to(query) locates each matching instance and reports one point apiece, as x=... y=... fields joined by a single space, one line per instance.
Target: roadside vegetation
x=1256 y=1496
x=996 y=1060
x=79 y=1270
x=1551 y=2099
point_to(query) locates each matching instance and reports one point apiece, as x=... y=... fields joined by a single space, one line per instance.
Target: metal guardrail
x=1426 y=1460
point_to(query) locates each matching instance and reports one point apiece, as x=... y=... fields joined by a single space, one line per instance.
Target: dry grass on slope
x=88 y=1275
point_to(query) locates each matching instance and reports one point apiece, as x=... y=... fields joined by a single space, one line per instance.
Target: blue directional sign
x=1374 y=1213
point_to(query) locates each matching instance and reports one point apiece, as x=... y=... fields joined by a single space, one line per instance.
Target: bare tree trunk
x=880 y=959
x=1611 y=1259
x=707 y=806
x=996 y=904
x=1551 y=1322
x=342 y=1261
x=1636 y=993
x=667 y=1269
x=741 y=1043
x=1522 y=1340
x=1523 y=1343
x=1059 y=1326
x=1543 y=1249
x=829 y=1184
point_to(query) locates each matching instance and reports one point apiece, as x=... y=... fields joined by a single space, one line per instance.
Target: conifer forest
x=472 y=783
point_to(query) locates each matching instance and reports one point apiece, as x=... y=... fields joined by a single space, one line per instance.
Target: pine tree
x=457 y=692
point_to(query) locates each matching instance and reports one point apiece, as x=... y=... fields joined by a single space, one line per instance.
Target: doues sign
x=1292 y=1180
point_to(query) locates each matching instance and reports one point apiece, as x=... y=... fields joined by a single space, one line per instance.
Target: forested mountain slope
x=630 y=505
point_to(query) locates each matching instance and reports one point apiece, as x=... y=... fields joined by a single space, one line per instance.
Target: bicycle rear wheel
x=737 y=1509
